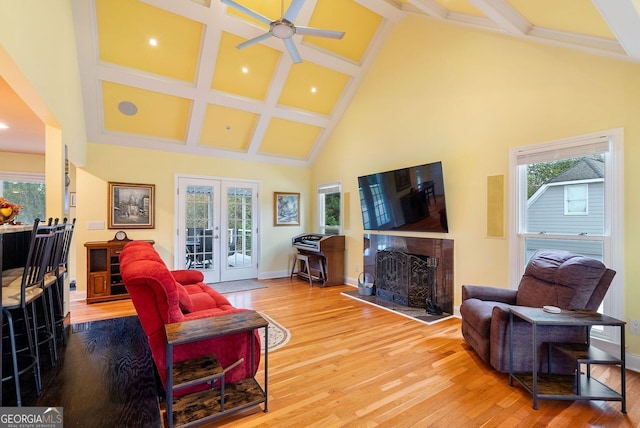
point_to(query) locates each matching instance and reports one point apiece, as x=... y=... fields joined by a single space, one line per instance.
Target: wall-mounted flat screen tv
x=407 y=199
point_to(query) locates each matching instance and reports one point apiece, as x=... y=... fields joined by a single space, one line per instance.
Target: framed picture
x=286 y=209
x=72 y=199
x=403 y=180
x=131 y=206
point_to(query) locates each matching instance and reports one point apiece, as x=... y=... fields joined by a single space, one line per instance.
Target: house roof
x=586 y=169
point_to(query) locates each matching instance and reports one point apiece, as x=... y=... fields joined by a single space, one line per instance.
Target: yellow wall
x=466 y=97
x=22 y=162
x=40 y=39
x=114 y=163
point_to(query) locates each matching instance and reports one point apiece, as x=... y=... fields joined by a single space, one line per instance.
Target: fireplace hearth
x=410 y=271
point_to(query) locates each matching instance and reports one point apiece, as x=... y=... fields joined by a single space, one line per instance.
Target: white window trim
x=25 y=177
x=614 y=209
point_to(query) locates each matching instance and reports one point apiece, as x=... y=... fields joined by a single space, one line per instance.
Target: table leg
x=623 y=385
x=510 y=349
x=534 y=340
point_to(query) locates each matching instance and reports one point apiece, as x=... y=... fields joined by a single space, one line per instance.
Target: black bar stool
x=18 y=297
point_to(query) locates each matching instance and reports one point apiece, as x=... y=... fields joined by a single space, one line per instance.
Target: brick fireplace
x=411 y=271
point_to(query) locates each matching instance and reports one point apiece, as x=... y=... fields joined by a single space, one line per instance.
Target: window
x=576 y=200
x=330 y=208
x=27 y=190
x=567 y=195
x=375 y=211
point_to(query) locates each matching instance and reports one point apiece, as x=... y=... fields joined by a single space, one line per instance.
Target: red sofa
x=161 y=297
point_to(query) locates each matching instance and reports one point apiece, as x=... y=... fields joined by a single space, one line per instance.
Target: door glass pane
x=199 y=227
x=239 y=226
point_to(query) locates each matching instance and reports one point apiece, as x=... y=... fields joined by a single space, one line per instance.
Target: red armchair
x=161 y=297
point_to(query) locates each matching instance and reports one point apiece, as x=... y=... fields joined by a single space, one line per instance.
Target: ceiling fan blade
x=293 y=51
x=254 y=40
x=316 y=32
x=293 y=10
x=246 y=11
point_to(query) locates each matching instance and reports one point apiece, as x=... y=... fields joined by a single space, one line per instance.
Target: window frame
x=613 y=237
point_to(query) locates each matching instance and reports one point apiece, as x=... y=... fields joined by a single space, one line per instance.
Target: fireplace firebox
x=410 y=271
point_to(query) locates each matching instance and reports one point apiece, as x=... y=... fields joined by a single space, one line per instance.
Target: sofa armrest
x=494 y=294
x=187 y=276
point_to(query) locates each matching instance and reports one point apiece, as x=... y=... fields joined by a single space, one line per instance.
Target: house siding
x=546 y=213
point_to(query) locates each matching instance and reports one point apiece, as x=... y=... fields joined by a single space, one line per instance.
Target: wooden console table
x=580 y=386
x=203 y=406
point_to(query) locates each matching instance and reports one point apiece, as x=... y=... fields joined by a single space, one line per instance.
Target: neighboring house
x=572 y=203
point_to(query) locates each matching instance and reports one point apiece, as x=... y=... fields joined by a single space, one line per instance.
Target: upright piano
x=330 y=248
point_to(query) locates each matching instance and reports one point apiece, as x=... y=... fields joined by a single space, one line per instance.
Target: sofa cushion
x=184 y=300
x=205 y=297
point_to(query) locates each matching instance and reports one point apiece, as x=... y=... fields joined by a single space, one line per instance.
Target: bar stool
x=303 y=262
x=60 y=273
x=17 y=298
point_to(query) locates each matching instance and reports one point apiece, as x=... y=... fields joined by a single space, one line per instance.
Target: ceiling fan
x=283 y=28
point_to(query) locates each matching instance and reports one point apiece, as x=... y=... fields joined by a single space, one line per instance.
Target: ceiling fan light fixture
x=283 y=29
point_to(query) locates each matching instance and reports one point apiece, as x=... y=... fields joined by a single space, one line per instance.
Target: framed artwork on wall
x=131 y=206
x=286 y=209
x=403 y=179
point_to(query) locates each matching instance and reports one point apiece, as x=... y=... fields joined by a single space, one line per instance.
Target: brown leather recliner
x=556 y=278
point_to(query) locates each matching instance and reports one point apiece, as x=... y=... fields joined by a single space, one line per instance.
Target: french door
x=217 y=228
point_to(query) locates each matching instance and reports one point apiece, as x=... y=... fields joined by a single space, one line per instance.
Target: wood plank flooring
x=350 y=364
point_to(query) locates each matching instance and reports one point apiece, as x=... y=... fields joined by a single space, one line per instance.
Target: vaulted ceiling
x=193 y=91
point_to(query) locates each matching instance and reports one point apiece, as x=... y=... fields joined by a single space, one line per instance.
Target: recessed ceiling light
x=153 y=41
x=4 y=125
x=127 y=108
x=314 y=90
x=245 y=70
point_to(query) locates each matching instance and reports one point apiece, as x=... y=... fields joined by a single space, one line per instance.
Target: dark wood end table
x=562 y=387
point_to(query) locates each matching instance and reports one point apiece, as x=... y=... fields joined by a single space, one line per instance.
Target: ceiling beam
x=506 y=17
x=624 y=20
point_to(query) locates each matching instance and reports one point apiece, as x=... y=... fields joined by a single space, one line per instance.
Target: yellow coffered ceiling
x=166 y=74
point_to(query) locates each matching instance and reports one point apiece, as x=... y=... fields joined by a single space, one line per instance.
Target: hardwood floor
x=353 y=364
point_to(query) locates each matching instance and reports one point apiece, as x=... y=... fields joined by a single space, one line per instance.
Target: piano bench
x=303 y=263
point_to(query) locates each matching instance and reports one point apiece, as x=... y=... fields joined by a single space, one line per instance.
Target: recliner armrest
x=494 y=294
x=187 y=276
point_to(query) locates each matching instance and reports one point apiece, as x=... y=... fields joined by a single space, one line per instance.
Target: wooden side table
x=580 y=386
x=213 y=403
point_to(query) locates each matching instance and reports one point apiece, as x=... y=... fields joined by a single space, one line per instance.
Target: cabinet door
x=97 y=284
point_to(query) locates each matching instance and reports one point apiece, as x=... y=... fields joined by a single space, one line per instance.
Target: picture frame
x=403 y=179
x=131 y=206
x=286 y=209
x=72 y=199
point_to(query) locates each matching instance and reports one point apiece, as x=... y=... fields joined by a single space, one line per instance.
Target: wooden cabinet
x=104 y=282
